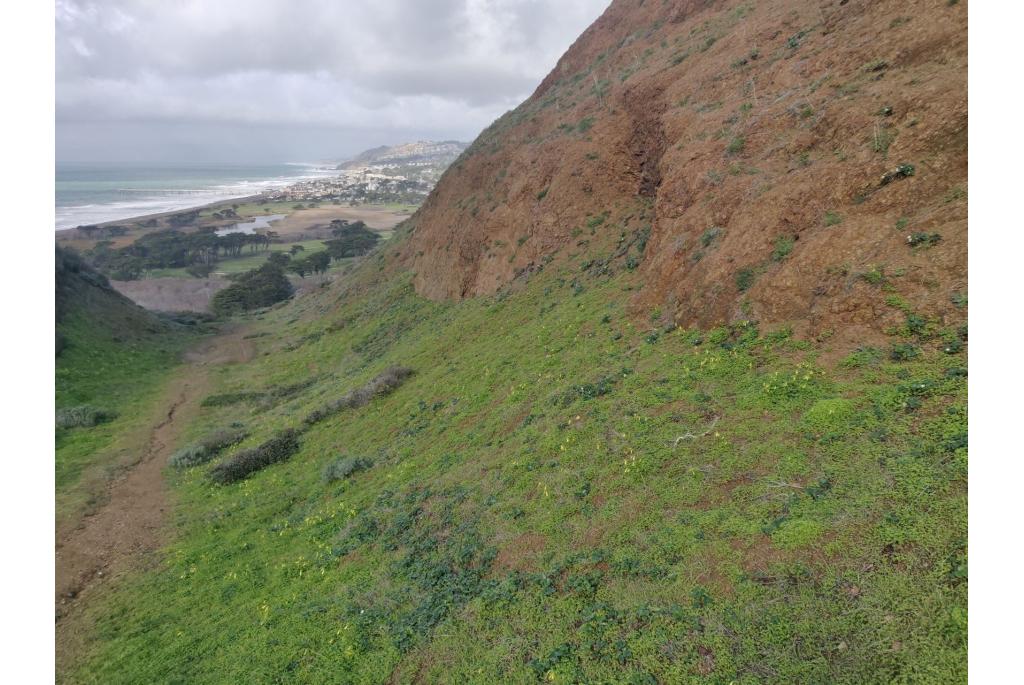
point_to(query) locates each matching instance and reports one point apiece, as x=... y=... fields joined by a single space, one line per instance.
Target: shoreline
x=300 y=220
x=161 y=215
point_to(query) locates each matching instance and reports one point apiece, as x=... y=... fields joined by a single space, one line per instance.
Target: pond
x=257 y=222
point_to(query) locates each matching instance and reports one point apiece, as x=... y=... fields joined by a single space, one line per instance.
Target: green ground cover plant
x=345 y=467
x=555 y=498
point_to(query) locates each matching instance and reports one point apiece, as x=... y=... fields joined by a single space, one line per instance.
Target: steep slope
x=111 y=356
x=793 y=161
x=570 y=487
x=83 y=292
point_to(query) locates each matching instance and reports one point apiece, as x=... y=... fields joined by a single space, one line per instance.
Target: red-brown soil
x=760 y=122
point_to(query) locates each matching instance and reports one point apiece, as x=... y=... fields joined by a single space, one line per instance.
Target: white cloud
x=451 y=65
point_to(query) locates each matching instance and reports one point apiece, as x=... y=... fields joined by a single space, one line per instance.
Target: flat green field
x=562 y=493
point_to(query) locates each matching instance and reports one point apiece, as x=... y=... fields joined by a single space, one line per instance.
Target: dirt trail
x=124 y=533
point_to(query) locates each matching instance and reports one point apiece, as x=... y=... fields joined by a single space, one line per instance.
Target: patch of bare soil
x=125 y=532
x=520 y=554
x=172 y=294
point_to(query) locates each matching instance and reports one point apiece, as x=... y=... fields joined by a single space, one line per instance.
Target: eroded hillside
x=791 y=162
x=624 y=437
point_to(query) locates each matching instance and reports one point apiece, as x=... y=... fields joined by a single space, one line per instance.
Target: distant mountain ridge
x=420 y=153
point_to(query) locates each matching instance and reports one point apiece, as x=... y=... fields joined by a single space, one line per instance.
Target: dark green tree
x=353 y=240
x=260 y=287
x=319 y=261
x=281 y=259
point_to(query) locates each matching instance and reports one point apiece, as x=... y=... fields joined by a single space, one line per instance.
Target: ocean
x=94 y=193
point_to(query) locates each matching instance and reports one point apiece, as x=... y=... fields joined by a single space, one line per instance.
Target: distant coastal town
x=399 y=174
x=178 y=260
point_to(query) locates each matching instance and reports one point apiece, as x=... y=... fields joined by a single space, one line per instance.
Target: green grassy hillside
x=563 y=493
x=111 y=355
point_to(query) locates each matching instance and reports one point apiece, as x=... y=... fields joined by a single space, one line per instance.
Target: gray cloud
x=387 y=70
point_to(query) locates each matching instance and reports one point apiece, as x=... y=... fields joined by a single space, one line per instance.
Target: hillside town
x=389 y=174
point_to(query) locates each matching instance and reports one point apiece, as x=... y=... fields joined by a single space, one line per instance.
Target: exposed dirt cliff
x=790 y=161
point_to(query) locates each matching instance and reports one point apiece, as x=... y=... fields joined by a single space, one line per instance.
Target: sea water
x=95 y=193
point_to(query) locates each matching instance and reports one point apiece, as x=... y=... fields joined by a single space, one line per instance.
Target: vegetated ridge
x=793 y=162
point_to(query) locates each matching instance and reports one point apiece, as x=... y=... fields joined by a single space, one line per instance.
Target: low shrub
x=923 y=239
x=903 y=352
x=783 y=246
x=709 y=236
x=207 y=448
x=383 y=384
x=586 y=391
x=341 y=469
x=285 y=391
x=261 y=398
x=246 y=462
x=199 y=270
x=744 y=279
x=199 y=320
x=190 y=455
x=902 y=171
x=83 y=416
x=223 y=438
x=736 y=145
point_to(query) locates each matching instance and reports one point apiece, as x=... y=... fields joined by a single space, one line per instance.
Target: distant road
x=172 y=191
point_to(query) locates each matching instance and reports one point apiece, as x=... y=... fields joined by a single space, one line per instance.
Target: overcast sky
x=295 y=80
